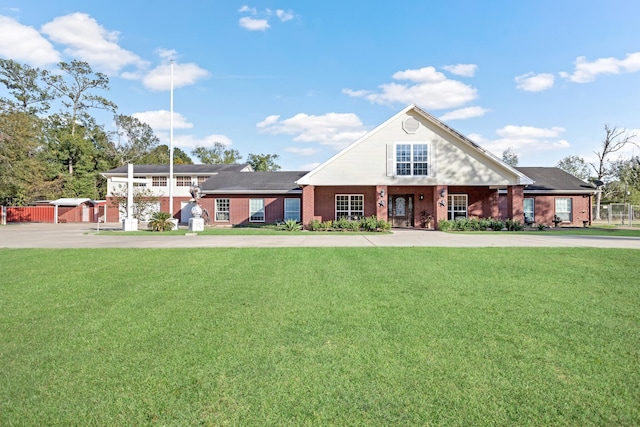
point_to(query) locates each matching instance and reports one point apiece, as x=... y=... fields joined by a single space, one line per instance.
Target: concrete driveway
x=87 y=235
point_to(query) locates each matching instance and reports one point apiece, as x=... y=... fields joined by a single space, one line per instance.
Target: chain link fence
x=617 y=214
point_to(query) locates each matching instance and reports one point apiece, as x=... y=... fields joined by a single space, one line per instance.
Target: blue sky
x=303 y=79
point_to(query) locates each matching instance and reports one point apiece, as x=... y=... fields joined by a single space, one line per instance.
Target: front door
x=401 y=210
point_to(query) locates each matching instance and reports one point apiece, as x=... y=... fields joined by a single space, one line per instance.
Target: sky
x=304 y=79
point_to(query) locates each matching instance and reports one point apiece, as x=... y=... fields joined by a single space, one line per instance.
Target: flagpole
x=171 y=148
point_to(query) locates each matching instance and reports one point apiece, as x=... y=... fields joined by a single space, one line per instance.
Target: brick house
x=410 y=167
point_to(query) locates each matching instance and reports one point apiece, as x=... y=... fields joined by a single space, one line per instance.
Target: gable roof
x=72 y=201
x=555 y=180
x=253 y=183
x=520 y=178
x=180 y=169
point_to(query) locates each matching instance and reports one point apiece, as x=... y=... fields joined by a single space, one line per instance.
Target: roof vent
x=410 y=125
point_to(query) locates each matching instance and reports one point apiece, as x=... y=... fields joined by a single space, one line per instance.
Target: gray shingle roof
x=252 y=182
x=551 y=179
x=178 y=169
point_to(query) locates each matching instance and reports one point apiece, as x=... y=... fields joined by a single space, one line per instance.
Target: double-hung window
x=457 y=206
x=412 y=159
x=183 y=181
x=222 y=210
x=350 y=206
x=256 y=210
x=563 y=209
x=292 y=209
x=529 y=211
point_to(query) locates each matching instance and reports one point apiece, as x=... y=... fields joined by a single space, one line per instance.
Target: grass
x=320 y=336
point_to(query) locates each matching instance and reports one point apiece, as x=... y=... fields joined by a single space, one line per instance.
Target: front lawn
x=320 y=336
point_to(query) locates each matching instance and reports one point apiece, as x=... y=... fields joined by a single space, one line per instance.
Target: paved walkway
x=86 y=235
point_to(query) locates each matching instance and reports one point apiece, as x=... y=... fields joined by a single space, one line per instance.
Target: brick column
x=495 y=204
x=382 y=202
x=515 y=202
x=308 y=204
x=440 y=204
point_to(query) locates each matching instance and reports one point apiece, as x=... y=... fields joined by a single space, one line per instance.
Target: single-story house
x=411 y=167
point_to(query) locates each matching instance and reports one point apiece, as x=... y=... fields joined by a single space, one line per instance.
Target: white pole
x=129 y=191
x=171 y=148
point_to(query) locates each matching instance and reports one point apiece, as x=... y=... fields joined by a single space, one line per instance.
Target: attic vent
x=410 y=125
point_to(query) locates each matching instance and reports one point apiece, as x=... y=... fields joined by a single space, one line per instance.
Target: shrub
x=383 y=225
x=341 y=224
x=369 y=223
x=497 y=224
x=291 y=225
x=326 y=225
x=446 y=225
x=354 y=226
x=541 y=227
x=160 y=221
x=314 y=225
x=484 y=223
x=514 y=225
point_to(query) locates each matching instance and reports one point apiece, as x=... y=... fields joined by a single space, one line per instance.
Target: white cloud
x=247 y=9
x=253 y=24
x=532 y=82
x=302 y=151
x=523 y=139
x=334 y=129
x=586 y=71
x=160 y=120
x=25 y=44
x=284 y=16
x=309 y=166
x=429 y=89
x=464 y=113
x=466 y=70
x=89 y=41
x=189 y=142
x=183 y=75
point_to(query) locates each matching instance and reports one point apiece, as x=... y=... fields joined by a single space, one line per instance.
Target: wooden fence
x=82 y=213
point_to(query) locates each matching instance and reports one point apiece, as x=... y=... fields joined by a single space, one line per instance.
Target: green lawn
x=320 y=336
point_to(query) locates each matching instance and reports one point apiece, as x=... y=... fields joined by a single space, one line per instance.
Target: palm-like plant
x=160 y=221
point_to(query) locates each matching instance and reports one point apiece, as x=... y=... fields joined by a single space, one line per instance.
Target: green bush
x=497 y=224
x=291 y=225
x=160 y=221
x=514 y=225
x=341 y=224
x=383 y=225
x=326 y=225
x=446 y=225
x=314 y=225
x=369 y=223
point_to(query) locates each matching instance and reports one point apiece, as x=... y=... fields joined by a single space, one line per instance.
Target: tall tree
x=26 y=86
x=76 y=86
x=218 y=154
x=263 y=162
x=576 y=166
x=614 y=140
x=160 y=156
x=132 y=141
x=22 y=174
x=510 y=157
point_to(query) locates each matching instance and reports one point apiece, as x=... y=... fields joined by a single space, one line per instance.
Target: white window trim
x=253 y=213
x=533 y=205
x=451 y=213
x=227 y=212
x=555 y=208
x=412 y=144
x=350 y=211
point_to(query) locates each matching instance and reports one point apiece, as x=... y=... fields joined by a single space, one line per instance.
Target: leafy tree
x=263 y=162
x=626 y=187
x=144 y=201
x=132 y=141
x=614 y=140
x=510 y=157
x=22 y=174
x=218 y=154
x=25 y=84
x=160 y=156
x=75 y=87
x=576 y=166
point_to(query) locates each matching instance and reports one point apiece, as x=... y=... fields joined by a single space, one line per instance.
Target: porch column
x=382 y=202
x=440 y=204
x=308 y=204
x=515 y=202
x=495 y=204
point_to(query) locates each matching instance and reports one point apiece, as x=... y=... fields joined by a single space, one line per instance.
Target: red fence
x=30 y=214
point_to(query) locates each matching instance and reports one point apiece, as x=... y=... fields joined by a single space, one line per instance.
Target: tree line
x=618 y=179
x=47 y=154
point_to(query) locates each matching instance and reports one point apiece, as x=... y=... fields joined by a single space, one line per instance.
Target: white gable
x=453 y=158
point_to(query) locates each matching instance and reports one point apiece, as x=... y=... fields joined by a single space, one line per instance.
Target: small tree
x=263 y=162
x=576 y=166
x=144 y=201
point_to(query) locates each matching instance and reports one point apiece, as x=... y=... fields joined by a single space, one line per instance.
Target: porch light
x=443 y=193
x=381 y=193
x=421 y=196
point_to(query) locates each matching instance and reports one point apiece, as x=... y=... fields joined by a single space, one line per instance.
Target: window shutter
x=390 y=160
